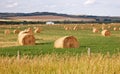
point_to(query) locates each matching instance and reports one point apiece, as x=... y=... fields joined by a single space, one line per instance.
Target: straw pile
x=7 y=31
x=16 y=31
x=26 y=38
x=66 y=42
x=105 y=33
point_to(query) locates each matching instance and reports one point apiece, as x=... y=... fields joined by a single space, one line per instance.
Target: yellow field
x=64 y=64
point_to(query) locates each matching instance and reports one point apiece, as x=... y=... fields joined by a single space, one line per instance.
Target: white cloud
x=12 y=4
x=89 y=2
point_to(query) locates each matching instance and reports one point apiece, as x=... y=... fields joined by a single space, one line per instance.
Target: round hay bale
x=16 y=31
x=35 y=27
x=37 y=30
x=66 y=28
x=115 y=29
x=29 y=30
x=26 y=39
x=22 y=32
x=7 y=31
x=103 y=28
x=75 y=28
x=105 y=33
x=92 y=24
x=69 y=28
x=10 y=27
x=95 y=30
x=109 y=27
x=82 y=28
x=66 y=42
x=18 y=27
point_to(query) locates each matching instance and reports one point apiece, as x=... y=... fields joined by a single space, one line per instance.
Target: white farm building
x=50 y=22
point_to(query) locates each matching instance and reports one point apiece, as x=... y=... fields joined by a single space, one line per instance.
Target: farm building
x=50 y=22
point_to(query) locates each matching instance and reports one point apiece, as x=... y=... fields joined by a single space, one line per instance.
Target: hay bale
x=115 y=29
x=105 y=33
x=29 y=30
x=92 y=25
x=16 y=31
x=18 y=27
x=95 y=30
x=66 y=42
x=23 y=32
x=35 y=27
x=25 y=38
x=67 y=27
x=103 y=28
x=82 y=28
x=7 y=31
x=109 y=27
x=37 y=30
x=10 y=27
x=75 y=28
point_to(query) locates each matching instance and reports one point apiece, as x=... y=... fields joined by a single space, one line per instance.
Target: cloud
x=89 y=2
x=12 y=4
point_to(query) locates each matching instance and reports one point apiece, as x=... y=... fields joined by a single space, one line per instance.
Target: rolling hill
x=50 y=16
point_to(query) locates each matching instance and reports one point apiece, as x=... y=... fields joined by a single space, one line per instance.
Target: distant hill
x=50 y=16
x=38 y=14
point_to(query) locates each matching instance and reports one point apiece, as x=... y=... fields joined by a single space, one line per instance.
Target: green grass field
x=45 y=41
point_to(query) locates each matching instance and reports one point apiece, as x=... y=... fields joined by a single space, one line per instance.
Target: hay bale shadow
x=43 y=43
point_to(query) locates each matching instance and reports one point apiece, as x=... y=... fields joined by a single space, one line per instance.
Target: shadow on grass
x=87 y=46
x=43 y=43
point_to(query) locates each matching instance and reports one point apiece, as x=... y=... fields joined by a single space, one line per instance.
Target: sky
x=75 y=7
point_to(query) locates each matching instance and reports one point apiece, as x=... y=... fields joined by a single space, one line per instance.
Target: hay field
x=43 y=58
x=48 y=18
x=45 y=39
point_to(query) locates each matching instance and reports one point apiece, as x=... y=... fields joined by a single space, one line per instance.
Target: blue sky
x=76 y=7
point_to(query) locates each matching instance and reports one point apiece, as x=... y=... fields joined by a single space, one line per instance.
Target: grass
x=64 y=64
x=43 y=58
x=45 y=41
